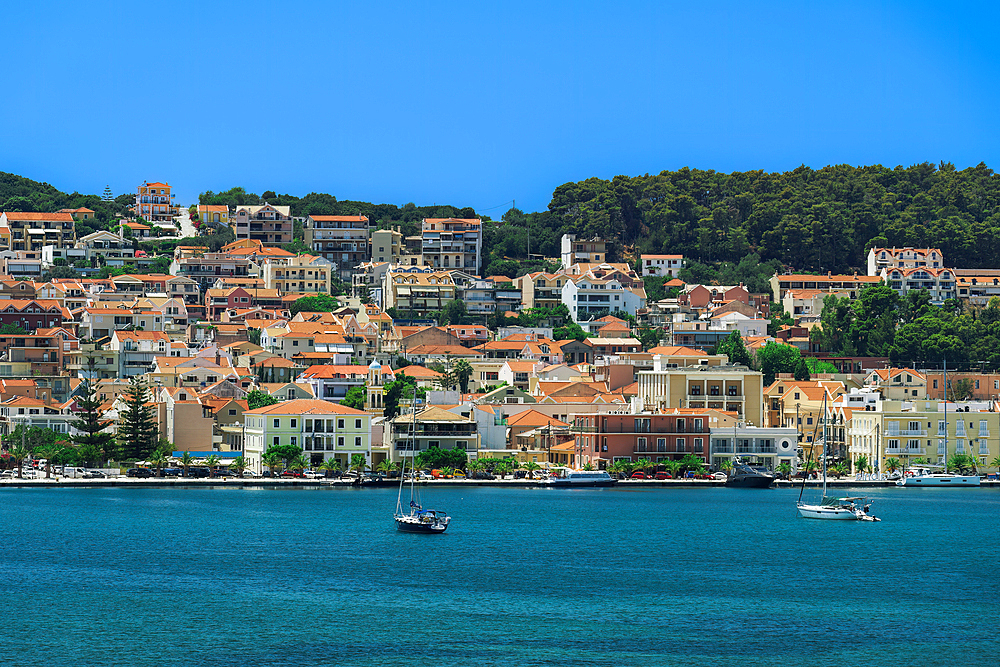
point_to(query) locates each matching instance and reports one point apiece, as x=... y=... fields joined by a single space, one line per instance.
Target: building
x=434 y=426
x=755 y=445
x=391 y=247
x=324 y=430
x=297 y=274
x=269 y=224
x=331 y=382
x=138 y=350
x=214 y=214
x=852 y=284
x=417 y=290
x=661 y=265
x=588 y=251
x=588 y=297
x=154 y=203
x=728 y=388
x=898 y=384
x=541 y=290
x=33 y=231
x=342 y=240
x=452 y=243
x=79 y=214
x=903 y=258
x=939 y=283
x=977 y=290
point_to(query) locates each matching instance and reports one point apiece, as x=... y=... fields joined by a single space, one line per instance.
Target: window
x=340 y=423
x=641 y=443
x=277 y=423
x=276 y=441
x=699 y=445
x=681 y=444
x=661 y=444
x=357 y=423
x=294 y=424
x=294 y=441
x=232 y=412
x=340 y=441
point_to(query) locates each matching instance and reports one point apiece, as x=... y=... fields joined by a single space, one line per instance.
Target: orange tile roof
x=306 y=406
x=53 y=217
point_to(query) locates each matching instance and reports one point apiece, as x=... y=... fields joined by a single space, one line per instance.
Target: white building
x=588 y=297
x=661 y=265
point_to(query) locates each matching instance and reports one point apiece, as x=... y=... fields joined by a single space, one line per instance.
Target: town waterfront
x=154 y=576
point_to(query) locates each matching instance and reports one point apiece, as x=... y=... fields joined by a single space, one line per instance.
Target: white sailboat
x=414 y=518
x=834 y=508
x=925 y=476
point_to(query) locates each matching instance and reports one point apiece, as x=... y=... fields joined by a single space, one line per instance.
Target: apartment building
x=269 y=224
x=852 y=284
x=417 y=290
x=324 y=431
x=588 y=297
x=756 y=445
x=664 y=266
x=342 y=240
x=297 y=274
x=903 y=258
x=206 y=268
x=606 y=438
x=940 y=283
x=33 y=231
x=154 y=203
x=541 y=290
x=391 y=247
x=452 y=243
x=587 y=251
x=730 y=388
x=434 y=426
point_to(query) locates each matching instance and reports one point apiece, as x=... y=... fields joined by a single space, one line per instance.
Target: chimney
x=218 y=357
x=829 y=274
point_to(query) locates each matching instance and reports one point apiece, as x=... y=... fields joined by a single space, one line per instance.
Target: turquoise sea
x=219 y=577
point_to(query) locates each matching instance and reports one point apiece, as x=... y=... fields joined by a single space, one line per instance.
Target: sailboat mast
x=824 y=443
x=945 y=414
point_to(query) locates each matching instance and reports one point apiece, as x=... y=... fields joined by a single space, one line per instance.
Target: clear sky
x=477 y=104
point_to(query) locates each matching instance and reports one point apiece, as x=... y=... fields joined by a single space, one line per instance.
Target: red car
x=639 y=475
x=663 y=475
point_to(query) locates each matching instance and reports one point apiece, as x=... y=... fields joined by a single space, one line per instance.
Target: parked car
x=172 y=472
x=292 y=473
x=638 y=474
x=483 y=475
x=139 y=473
x=719 y=475
x=663 y=475
x=198 y=472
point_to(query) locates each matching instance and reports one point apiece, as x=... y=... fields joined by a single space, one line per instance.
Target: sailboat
x=834 y=508
x=925 y=476
x=414 y=518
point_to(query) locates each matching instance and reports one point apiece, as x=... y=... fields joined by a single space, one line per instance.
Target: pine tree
x=94 y=444
x=137 y=432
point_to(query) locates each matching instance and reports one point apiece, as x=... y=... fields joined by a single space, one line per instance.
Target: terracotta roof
x=306 y=406
x=534 y=418
x=420 y=372
x=54 y=217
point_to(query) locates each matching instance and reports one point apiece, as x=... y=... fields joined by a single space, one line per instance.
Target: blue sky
x=478 y=104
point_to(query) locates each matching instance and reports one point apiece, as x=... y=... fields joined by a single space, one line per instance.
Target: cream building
x=731 y=388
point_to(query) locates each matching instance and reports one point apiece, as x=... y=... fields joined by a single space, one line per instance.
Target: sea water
x=621 y=576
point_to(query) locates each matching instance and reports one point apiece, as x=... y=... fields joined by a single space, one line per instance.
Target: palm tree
x=513 y=464
x=643 y=464
x=48 y=452
x=892 y=464
x=861 y=463
x=840 y=470
x=588 y=466
x=271 y=460
x=995 y=462
x=299 y=463
x=531 y=467
x=447 y=473
x=785 y=469
x=727 y=465
x=19 y=453
x=329 y=466
x=675 y=468
x=158 y=459
x=358 y=463
x=186 y=461
x=239 y=464
x=213 y=462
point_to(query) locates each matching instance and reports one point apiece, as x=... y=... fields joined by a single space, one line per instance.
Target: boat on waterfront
x=570 y=478
x=925 y=477
x=832 y=507
x=744 y=476
x=414 y=518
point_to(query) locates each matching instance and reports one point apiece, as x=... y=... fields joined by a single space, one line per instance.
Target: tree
x=774 y=358
x=137 y=432
x=358 y=463
x=355 y=398
x=19 y=453
x=271 y=461
x=48 y=452
x=861 y=463
x=284 y=453
x=454 y=312
x=733 y=347
x=435 y=457
x=329 y=466
x=401 y=388
x=239 y=464
x=259 y=399
x=462 y=371
x=159 y=461
x=186 y=461
x=299 y=463
x=801 y=371
x=212 y=461
x=531 y=467
x=92 y=441
x=960 y=390
x=324 y=303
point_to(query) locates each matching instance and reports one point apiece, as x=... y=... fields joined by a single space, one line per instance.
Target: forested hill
x=23 y=194
x=815 y=220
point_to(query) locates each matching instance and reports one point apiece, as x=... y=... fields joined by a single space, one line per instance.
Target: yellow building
x=799 y=404
x=729 y=388
x=420 y=290
x=214 y=214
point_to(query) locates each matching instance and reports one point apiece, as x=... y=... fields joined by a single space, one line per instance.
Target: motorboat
x=743 y=476
x=924 y=477
x=568 y=477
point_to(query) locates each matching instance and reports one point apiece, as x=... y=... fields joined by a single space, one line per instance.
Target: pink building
x=602 y=439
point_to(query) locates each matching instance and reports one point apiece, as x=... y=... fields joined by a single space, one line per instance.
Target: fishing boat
x=925 y=475
x=569 y=478
x=414 y=518
x=834 y=508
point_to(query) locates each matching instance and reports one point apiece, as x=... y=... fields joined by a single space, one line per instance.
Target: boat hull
x=416 y=524
x=940 y=480
x=827 y=513
x=750 y=482
x=568 y=484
